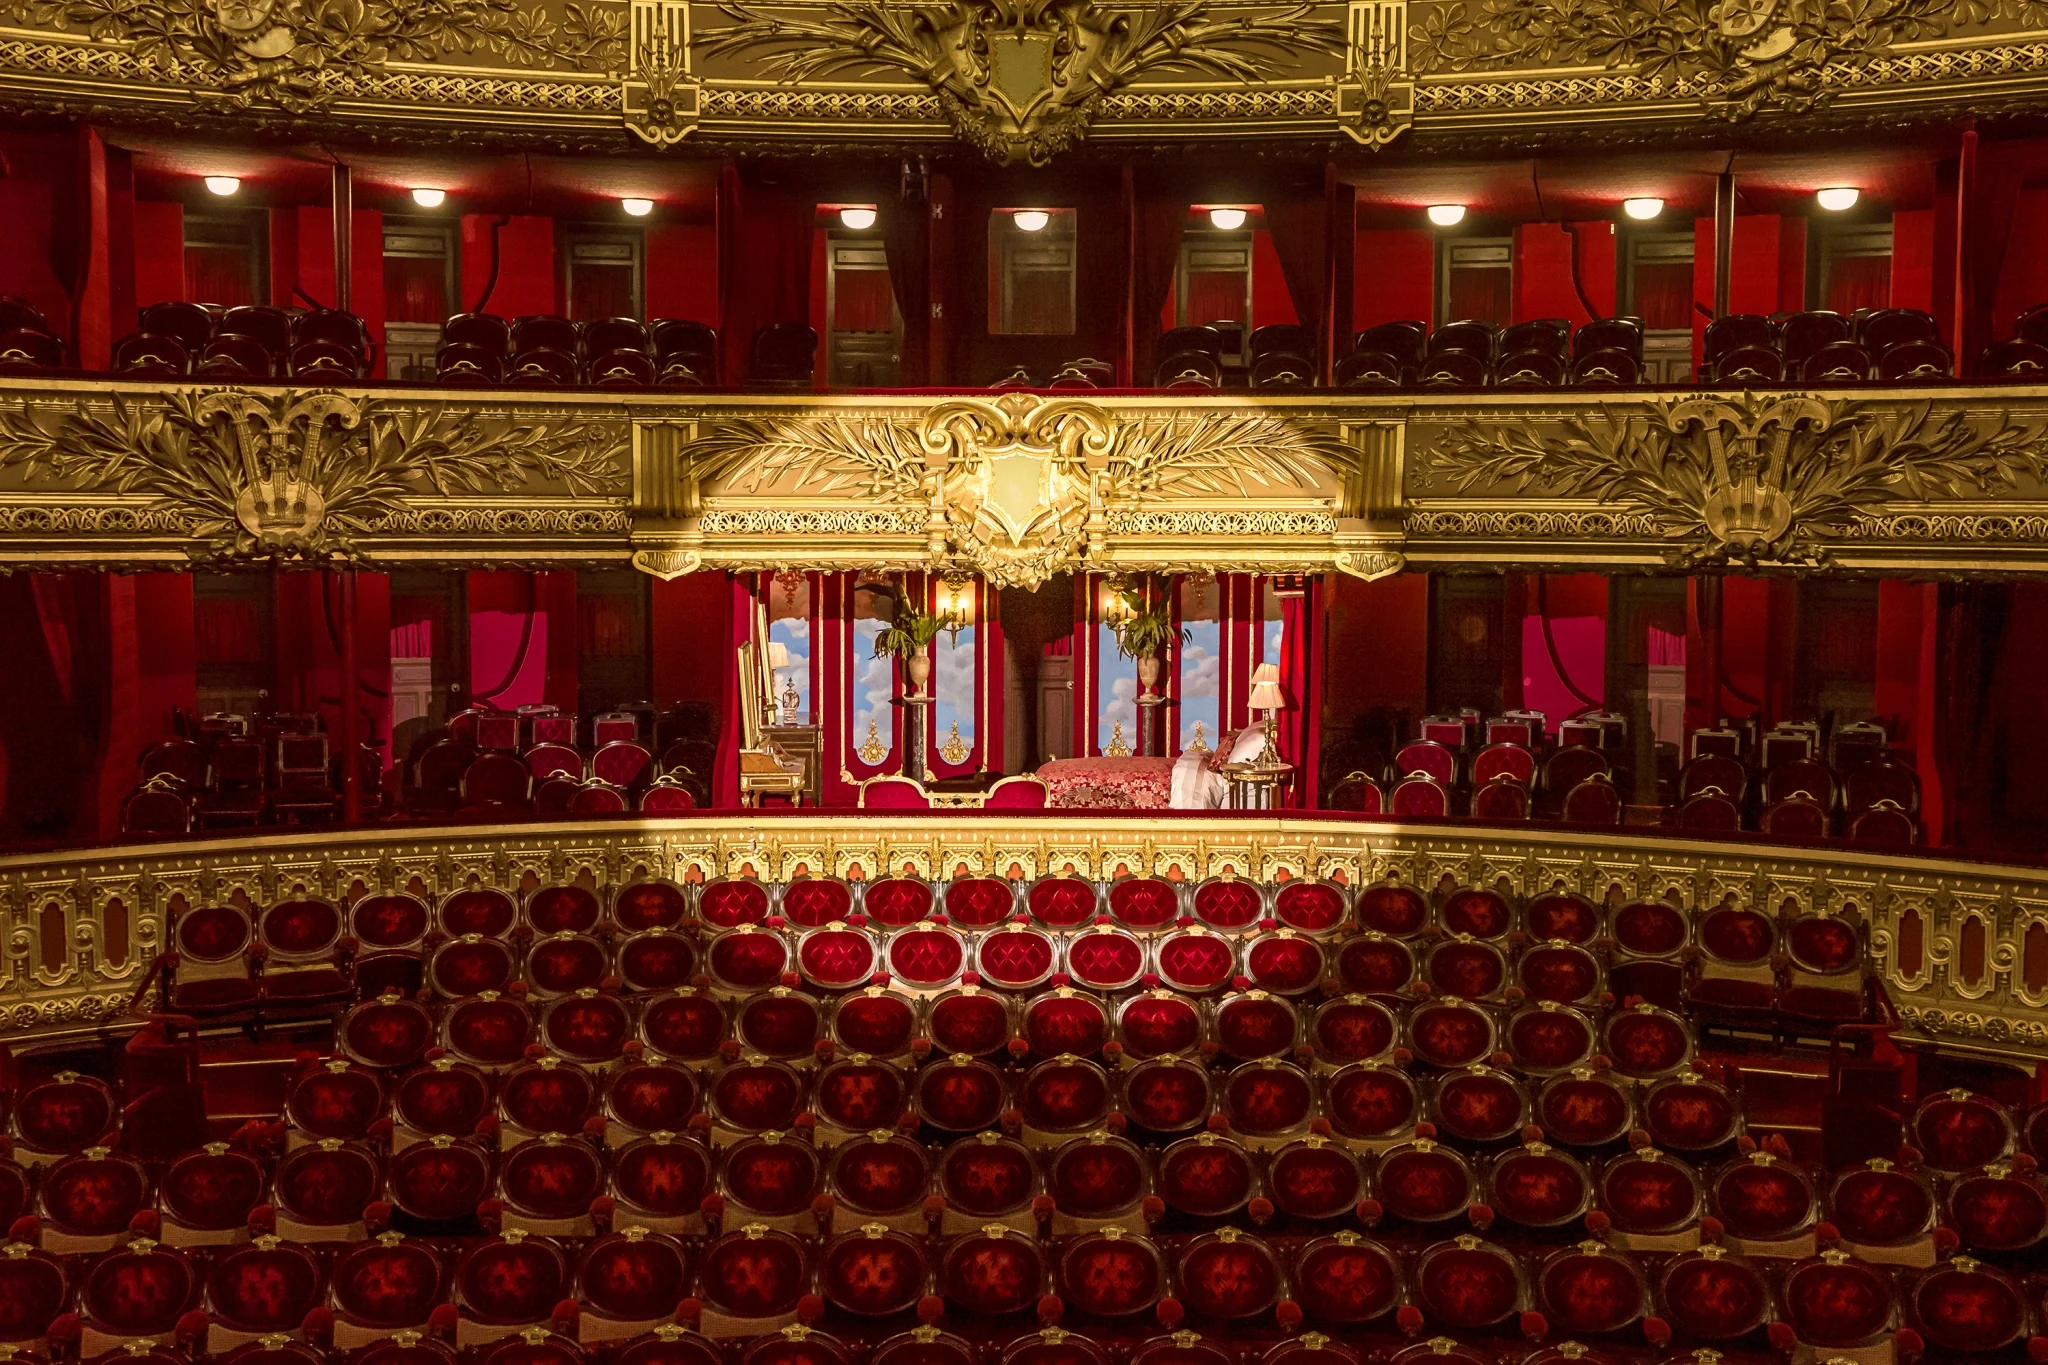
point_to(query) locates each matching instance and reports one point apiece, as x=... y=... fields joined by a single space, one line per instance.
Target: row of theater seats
x=237 y=773
x=1544 y=353
x=1282 y=356
x=547 y=351
x=1502 y=768
x=175 y=340
x=1893 y=345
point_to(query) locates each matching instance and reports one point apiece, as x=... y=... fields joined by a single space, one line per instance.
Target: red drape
x=764 y=252
x=725 y=771
x=1298 y=217
x=1301 y=679
x=906 y=239
x=1663 y=295
x=1159 y=213
x=1859 y=282
x=1972 y=637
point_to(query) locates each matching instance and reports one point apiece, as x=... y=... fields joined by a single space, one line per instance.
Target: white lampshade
x=1267 y=697
x=778 y=654
x=1266 y=673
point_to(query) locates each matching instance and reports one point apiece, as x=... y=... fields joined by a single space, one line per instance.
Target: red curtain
x=415 y=289
x=1301 y=679
x=221 y=274
x=725 y=771
x=601 y=291
x=1298 y=217
x=1480 y=294
x=764 y=232
x=1663 y=295
x=1859 y=282
x=1159 y=213
x=906 y=241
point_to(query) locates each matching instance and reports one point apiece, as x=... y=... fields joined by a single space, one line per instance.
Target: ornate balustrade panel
x=1020 y=82
x=1018 y=486
x=1953 y=982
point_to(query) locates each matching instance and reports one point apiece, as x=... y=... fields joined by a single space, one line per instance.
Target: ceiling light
x=1842 y=197
x=1031 y=220
x=429 y=199
x=857 y=219
x=1642 y=208
x=1447 y=215
x=637 y=208
x=223 y=185
x=1226 y=220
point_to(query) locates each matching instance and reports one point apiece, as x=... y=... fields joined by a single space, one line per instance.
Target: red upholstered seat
x=1650 y=1194
x=1450 y=1033
x=1562 y=917
x=1016 y=957
x=1062 y=902
x=1547 y=1038
x=1315 y=1179
x=860 y=1094
x=1465 y=968
x=586 y=1027
x=491 y=1031
x=548 y=1182
x=1311 y=907
x=1207 y=1177
x=445 y=1098
x=1998 y=1210
x=748 y=958
x=1479 y=1104
x=1105 y=958
x=780 y=1023
x=1229 y=904
x=652 y=1097
x=1285 y=962
x=661 y=1179
x=1144 y=903
x=1594 y=801
x=388 y=1288
x=1589 y=1290
x=1686 y=1113
x=726 y=902
x=33 y=1291
x=835 y=957
x=204 y=1191
x=1878 y=1205
x=1538 y=1186
x=1835 y=1302
x=1763 y=1199
x=212 y=975
x=992 y=1272
x=390 y=932
x=139 y=1291
x=977 y=902
x=1159 y=1024
x=1111 y=1277
x=1255 y=1025
x=623 y=764
x=1366 y=1100
x=879 y=1176
x=1422 y=1182
x=876 y=1021
x=440 y=1179
x=1352 y=1028
x=1166 y=1095
x=1429 y=759
x=1583 y=1109
x=872 y=1273
x=1647 y=1042
x=1268 y=1099
x=264 y=1289
x=988 y=1176
x=471 y=965
x=546 y=1096
x=896 y=901
x=569 y=909
x=811 y=901
x=1064 y=1095
x=478 y=910
x=754 y=1274
x=1228 y=1278
x=969 y=1022
x=508 y=1283
x=1373 y=963
x=1065 y=1021
x=1652 y=929
x=337 y=1100
x=1969 y=1309
x=960 y=1095
x=326 y=1186
x=64 y=1113
x=1394 y=910
x=1420 y=797
x=925 y=957
x=1501 y=799
x=1956 y=1130
x=1467 y=1284
x=756 y=1096
x=627 y=1277
x=649 y=904
x=686 y=1024
x=667 y=1345
x=1195 y=960
x=1712 y=1295
x=92 y=1194
x=1098 y=1176
x=656 y=960
x=564 y=963
x=390 y=1032
x=1342 y=1281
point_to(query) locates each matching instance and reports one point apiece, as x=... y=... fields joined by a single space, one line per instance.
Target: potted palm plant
x=907 y=637
x=1142 y=635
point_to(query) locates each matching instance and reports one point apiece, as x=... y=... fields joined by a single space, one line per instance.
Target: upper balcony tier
x=1021 y=83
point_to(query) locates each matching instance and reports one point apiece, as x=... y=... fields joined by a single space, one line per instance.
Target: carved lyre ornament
x=1021 y=79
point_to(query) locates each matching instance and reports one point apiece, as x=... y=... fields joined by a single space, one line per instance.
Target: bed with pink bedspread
x=1115 y=783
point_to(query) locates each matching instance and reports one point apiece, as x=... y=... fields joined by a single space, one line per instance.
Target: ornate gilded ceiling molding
x=1747 y=478
x=298 y=475
x=1020 y=79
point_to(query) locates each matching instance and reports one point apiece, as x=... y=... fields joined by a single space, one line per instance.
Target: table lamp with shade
x=778 y=659
x=1266 y=696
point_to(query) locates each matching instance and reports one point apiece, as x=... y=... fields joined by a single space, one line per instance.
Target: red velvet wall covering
x=1395 y=278
x=159 y=252
x=1769 y=273
x=39 y=176
x=682 y=271
x=766 y=221
x=1544 y=286
x=525 y=258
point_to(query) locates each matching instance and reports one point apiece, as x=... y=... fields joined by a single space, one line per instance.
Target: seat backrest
x=597 y=798
x=1882 y=779
x=332 y=324
x=156 y=809
x=1282 y=370
x=179 y=758
x=546 y=332
x=1725 y=774
x=1919 y=361
x=2004 y=359
x=1801 y=334
x=1795 y=817
x=459 y=362
x=622 y=370
x=1024 y=791
x=1573 y=764
x=667 y=794
x=1470 y=338
x=1609 y=334
x=1709 y=813
x=1808 y=777
x=1188 y=370
x=1356 y=792
x=890 y=792
x=1608 y=365
x=1757 y=364
x=1884 y=327
x=1838 y=362
x=141 y=354
x=1405 y=341
x=1501 y=799
x=1503 y=760
x=27 y=349
x=544 y=369
x=550 y=760
x=1283 y=338
x=1206 y=340
x=326 y=361
x=1738 y=331
x=238 y=357
x=187 y=322
x=1592 y=801
x=1420 y=796
x=1370 y=370
x=487 y=330
x=784 y=352
x=682 y=336
x=622 y=763
x=1529 y=370
x=1883 y=824
x=1545 y=336
x=20 y=314
x=1454 y=370
x=615 y=334
x=1428 y=758
x=495 y=779
x=270 y=328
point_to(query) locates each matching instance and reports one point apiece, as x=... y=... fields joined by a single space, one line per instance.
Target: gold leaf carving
x=1020 y=79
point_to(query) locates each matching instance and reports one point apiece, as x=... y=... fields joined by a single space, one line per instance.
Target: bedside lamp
x=1266 y=696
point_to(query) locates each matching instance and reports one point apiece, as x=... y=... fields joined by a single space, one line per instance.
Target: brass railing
x=1962 y=946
